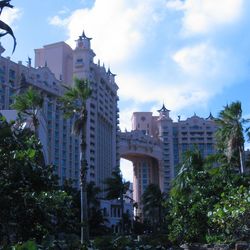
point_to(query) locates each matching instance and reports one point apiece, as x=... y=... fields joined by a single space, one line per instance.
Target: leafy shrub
x=230 y=217
x=103 y=243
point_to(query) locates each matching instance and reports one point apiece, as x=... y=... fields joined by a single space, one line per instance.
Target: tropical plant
x=74 y=105
x=29 y=104
x=95 y=214
x=116 y=188
x=92 y=195
x=189 y=201
x=230 y=134
x=229 y=219
x=153 y=206
x=31 y=206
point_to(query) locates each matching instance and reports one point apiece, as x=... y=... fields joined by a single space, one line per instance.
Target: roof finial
x=210 y=117
x=83 y=36
x=163 y=109
x=29 y=62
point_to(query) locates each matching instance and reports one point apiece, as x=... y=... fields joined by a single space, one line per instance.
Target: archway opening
x=126 y=167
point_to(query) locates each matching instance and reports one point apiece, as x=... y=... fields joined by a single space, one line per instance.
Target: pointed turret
x=110 y=73
x=82 y=56
x=111 y=76
x=83 y=42
x=210 y=117
x=83 y=36
x=163 y=109
x=164 y=112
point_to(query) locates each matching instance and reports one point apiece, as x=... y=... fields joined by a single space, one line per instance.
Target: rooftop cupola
x=82 y=57
x=83 y=42
x=164 y=112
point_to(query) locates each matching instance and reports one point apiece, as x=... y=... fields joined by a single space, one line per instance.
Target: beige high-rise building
x=55 y=66
x=174 y=139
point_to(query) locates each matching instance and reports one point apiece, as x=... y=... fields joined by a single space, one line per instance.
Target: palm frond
x=30 y=100
x=9 y=31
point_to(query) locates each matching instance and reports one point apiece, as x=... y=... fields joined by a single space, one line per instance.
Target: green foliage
x=74 y=103
x=31 y=206
x=156 y=241
x=230 y=217
x=230 y=134
x=208 y=203
x=74 y=106
x=28 y=104
x=153 y=206
x=116 y=188
x=122 y=242
x=103 y=243
x=190 y=200
x=29 y=245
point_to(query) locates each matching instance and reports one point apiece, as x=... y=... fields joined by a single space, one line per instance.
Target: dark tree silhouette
x=3 y=25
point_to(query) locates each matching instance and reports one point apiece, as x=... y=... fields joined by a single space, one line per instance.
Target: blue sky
x=192 y=55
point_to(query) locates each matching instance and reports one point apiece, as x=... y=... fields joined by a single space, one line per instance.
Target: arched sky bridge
x=145 y=153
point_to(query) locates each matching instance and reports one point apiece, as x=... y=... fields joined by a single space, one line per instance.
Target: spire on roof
x=83 y=36
x=110 y=73
x=210 y=117
x=29 y=62
x=163 y=109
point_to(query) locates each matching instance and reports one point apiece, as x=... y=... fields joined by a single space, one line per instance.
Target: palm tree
x=74 y=105
x=92 y=195
x=230 y=137
x=116 y=188
x=29 y=103
x=192 y=164
x=152 y=200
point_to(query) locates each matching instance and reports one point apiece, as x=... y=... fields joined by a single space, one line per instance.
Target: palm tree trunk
x=122 y=212
x=241 y=160
x=83 y=184
x=35 y=122
x=84 y=215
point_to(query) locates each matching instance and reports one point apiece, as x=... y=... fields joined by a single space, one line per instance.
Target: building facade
x=173 y=139
x=56 y=65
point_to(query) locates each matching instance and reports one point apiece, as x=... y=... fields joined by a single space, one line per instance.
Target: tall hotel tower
x=55 y=66
x=174 y=138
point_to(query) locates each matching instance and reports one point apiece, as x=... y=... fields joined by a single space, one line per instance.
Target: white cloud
x=118 y=26
x=204 y=16
x=183 y=75
x=175 y=4
x=9 y=15
x=57 y=21
x=199 y=60
x=176 y=95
